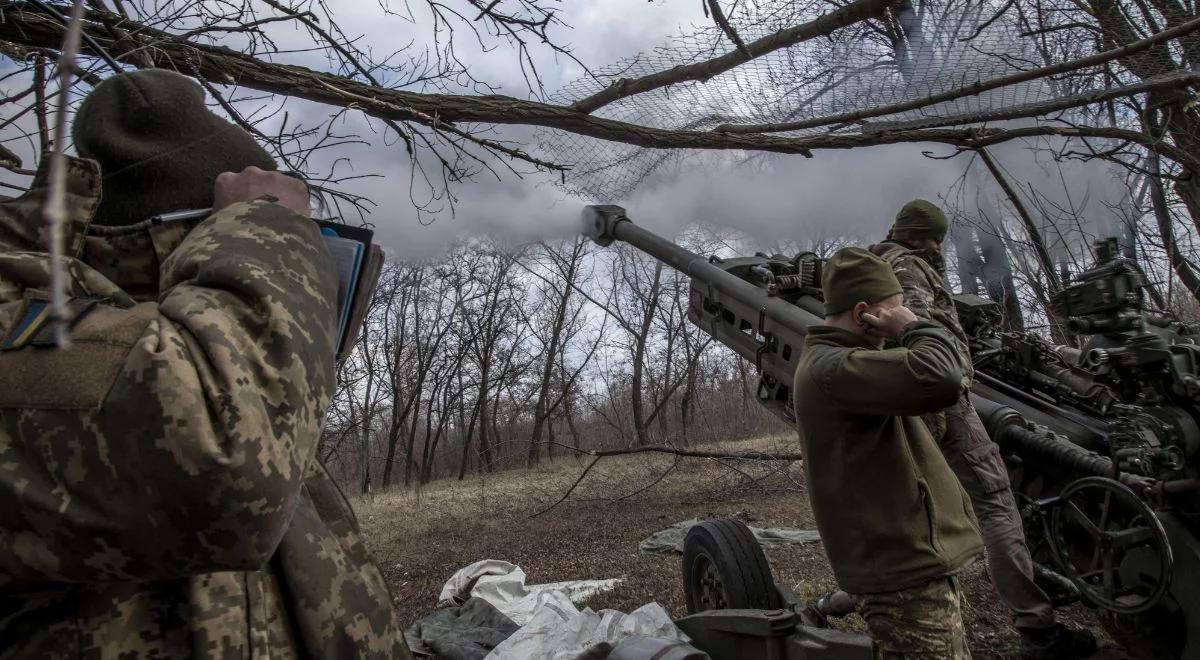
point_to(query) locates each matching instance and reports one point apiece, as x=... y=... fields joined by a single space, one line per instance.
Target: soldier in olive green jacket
x=895 y=522
x=913 y=249
x=161 y=493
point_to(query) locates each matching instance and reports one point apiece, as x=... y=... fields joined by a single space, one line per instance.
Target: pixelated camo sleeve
x=211 y=403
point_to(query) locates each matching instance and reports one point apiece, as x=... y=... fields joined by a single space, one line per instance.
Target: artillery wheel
x=1111 y=545
x=724 y=568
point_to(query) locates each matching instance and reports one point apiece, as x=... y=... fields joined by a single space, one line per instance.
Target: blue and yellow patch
x=37 y=313
x=36 y=327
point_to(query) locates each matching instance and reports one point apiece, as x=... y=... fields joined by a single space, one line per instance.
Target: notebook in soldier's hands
x=358 y=262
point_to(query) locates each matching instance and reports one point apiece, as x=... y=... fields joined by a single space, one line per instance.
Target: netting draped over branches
x=1082 y=80
x=923 y=64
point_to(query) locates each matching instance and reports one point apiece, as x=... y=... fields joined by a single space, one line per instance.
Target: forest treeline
x=493 y=357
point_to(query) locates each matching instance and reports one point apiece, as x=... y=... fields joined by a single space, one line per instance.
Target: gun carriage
x=1101 y=438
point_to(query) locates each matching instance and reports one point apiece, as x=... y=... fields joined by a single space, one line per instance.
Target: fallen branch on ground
x=598 y=454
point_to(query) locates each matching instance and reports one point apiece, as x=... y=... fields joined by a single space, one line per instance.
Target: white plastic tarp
x=552 y=628
x=558 y=632
x=503 y=585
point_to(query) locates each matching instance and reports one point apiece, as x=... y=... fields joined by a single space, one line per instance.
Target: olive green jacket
x=161 y=492
x=891 y=513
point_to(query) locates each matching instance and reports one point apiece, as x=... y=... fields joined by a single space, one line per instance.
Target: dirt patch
x=421 y=537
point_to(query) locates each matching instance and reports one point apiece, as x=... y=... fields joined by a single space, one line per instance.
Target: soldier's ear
x=860 y=308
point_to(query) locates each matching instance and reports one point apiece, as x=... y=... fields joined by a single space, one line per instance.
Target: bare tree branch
x=977 y=87
x=437 y=110
x=821 y=26
x=55 y=208
x=718 y=15
x=598 y=454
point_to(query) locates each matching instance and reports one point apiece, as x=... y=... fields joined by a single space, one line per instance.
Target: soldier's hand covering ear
x=888 y=323
x=253 y=183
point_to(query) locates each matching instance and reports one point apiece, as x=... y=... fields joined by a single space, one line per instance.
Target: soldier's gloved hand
x=253 y=183
x=889 y=323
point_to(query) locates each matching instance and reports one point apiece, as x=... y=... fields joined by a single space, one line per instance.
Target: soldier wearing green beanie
x=895 y=522
x=918 y=220
x=912 y=250
x=855 y=275
x=159 y=147
x=165 y=497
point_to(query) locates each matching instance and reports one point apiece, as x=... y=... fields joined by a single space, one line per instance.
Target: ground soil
x=421 y=536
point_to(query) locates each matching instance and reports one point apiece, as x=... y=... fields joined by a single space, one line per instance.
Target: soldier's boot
x=1056 y=643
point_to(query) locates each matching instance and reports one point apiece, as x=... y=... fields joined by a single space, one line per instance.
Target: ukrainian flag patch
x=35 y=318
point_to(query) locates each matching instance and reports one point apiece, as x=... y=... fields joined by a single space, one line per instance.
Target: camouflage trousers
x=920 y=623
x=976 y=461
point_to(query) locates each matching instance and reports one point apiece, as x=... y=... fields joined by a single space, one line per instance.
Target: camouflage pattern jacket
x=926 y=295
x=161 y=497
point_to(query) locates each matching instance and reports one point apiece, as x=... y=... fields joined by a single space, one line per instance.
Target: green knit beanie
x=920 y=219
x=159 y=148
x=853 y=275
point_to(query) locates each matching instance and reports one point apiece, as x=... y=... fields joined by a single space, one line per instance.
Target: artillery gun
x=1101 y=439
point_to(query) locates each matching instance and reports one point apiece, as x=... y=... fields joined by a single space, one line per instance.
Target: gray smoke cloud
x=848 y=195
x=836 y=195
x=851 y=195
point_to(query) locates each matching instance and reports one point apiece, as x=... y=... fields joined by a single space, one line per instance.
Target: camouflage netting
x=940 y=45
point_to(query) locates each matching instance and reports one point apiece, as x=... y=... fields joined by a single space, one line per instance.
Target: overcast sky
x=850 y=194
x=835 y=193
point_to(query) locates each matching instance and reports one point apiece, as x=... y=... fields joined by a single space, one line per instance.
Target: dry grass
x=421 y=537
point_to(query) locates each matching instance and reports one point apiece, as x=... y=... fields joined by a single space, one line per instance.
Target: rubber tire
x=739 y=562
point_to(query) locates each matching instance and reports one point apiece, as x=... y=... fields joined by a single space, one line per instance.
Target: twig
x=438 y=125
x=9 y=160
x=55 y=210
x=719 y=16
x=652 y=484
x=598 y=454
x=143 y=60
x=39 y=91
x=1035 y=235
x=984 y=25
x=572 y=488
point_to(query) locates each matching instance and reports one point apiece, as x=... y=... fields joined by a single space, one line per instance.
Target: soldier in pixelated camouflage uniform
x=896 y=524
x=162 y=498
x=913 y=250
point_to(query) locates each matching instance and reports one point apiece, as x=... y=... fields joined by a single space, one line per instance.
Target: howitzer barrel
x=1008 y=428
x=751 y=320
x=606 y=223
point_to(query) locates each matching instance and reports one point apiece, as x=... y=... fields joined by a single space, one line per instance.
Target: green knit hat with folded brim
x=159 y=147
x=853 y=275
x=920 y=219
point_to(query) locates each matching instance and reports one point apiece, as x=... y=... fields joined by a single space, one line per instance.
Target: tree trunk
x=687 y=401
x=491 y=456
x=466 y=449
x=410 y=445
x=639 y=358
x=365 y=440
x=1162 y=213
x=541 y=411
